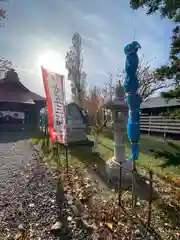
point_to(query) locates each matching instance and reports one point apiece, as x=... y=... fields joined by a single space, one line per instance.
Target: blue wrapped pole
x=131 y=85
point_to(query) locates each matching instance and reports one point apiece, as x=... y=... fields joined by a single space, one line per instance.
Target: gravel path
x=15 y=152
x=30 y=207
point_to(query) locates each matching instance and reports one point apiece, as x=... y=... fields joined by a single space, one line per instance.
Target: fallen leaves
x=57 y=227
x=23 y=233
x=109 y=225
x=106 y=214
x=100 y=216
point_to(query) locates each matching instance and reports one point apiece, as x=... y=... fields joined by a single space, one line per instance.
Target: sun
x=52 y=61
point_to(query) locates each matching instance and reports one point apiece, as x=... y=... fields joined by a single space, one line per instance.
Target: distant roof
x=15 y=97
x=159 y=102
x=36 y=97
x=12 y=90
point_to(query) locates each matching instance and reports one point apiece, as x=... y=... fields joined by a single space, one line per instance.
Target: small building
x=155 y=106
x=153 y=122
x=19 y=107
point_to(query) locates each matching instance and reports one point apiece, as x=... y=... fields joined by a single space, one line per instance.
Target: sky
x=39 y=32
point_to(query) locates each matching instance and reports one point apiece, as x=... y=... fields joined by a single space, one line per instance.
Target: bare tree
x=99 y=95
x=74 y=65
x=5 y=66
x=108 y=88
x=2 y=14
x=93 y=103
x=95 y=98
x=149 y=84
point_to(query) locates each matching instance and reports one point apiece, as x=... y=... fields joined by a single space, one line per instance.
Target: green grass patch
x=84 y=156
x=145 y=158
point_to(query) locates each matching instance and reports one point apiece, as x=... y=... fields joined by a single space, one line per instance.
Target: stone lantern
x=119 y=110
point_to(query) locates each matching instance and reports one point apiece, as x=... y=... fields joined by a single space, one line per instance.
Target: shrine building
x=19 y=107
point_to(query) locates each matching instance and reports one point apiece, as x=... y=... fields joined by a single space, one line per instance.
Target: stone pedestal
x=119 y=158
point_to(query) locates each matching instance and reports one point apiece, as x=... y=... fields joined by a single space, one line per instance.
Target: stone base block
x=113 y=172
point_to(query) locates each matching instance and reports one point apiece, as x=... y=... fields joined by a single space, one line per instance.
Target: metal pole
x=66 y=156
x=134 y=198
x=120 y=184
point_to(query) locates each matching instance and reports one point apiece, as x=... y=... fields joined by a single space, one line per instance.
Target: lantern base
x=113 y=172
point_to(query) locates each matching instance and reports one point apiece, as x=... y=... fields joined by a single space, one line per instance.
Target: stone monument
x=76 y=123
x=119 y=110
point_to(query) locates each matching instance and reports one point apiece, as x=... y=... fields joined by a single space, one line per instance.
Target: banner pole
x=66 y=156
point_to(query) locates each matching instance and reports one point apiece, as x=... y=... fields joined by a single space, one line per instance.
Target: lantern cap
x=118 y=100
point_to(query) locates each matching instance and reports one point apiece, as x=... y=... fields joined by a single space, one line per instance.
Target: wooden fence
x=159 y=124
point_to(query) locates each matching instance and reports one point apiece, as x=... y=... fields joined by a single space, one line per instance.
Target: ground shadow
x=97 y=169
x=171 y=158
x=60 y=200
x=96 y=166
x=171 y=212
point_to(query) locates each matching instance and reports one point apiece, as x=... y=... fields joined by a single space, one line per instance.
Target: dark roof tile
x=159 y=102
x=15 y=91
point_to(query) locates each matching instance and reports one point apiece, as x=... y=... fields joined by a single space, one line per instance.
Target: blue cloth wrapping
x=133 y=131
x=133 y=101
x=131 y=85
x=135 y=151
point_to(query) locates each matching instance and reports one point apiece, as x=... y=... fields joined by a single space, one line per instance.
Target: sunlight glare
x=54 y=62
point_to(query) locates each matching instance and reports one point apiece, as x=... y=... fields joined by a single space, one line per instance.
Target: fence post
x=150 y=198
x=134 y=198
x=67 y=160
x=149 y=130
x=165 y=129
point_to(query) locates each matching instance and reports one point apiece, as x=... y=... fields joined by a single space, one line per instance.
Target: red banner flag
x=56 y=105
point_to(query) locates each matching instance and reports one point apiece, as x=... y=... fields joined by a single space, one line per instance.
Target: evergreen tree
x=171 y=10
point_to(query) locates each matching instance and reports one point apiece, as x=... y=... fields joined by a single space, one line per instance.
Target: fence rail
x=159 y=124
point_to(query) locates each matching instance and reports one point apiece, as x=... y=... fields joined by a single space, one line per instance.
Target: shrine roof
x=156 y=102
x=12 y=90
